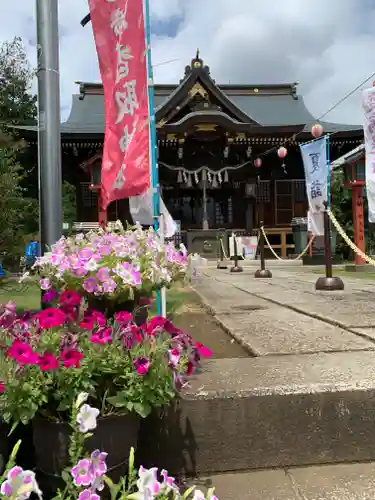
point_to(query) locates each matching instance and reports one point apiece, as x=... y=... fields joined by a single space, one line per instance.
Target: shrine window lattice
x=263 y=192
x=89 y=196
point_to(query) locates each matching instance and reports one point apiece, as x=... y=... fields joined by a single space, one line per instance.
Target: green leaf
x=118 y=401
x=143 y=409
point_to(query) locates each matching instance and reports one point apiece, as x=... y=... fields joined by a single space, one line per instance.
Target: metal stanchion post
x=262 y=272
x=236 y=268
x=220 y=253
x=328 y=282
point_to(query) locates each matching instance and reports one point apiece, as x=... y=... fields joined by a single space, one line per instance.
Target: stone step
x=354 y=481
x=270 y=411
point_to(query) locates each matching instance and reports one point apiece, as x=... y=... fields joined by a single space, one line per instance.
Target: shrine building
x=210 y=139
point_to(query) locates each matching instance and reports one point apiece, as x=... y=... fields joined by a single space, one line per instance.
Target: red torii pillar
x=358 y=214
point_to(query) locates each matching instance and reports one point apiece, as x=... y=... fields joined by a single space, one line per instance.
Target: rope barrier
x=347 y=240
x=277 y=256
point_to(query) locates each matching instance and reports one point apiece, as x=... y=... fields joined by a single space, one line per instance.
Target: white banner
x=142 y=211
x=315 y=223
x=368 y=105
x=314 y=157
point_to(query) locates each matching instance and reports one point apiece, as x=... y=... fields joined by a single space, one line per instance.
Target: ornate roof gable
x=199 y=91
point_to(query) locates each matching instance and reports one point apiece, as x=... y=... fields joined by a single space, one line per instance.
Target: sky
x=328 y=46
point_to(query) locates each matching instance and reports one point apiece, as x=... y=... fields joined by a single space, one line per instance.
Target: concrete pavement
x=302 y=400
x=326 y=482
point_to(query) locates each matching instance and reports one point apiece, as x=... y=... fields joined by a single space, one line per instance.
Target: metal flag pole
x=153 y=139
x=49 y=140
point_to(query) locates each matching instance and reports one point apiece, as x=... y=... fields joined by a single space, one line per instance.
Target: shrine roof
x=352 y=156
x=254 y=106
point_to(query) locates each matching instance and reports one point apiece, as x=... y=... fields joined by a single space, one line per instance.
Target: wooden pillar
x=102 y=214
x=358 y=220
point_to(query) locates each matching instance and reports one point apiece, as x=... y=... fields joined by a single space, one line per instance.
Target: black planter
x=115 y=435
x=109 y=308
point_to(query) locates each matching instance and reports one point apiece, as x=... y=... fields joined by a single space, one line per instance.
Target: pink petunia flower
x=23 y=353
x=102 y=336
x=90 y=285
x=142 y=366
x=48 y=362
x=71 y=298
x=71 y=358
x=174 y=356
x=156 y=324
x=51 y=318
x=88 y=495
x=2 y=387
x=103 y=274
x=98 y=465
x=82 y=474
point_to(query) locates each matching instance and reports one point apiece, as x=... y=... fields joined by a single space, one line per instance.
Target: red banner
x=119 y=33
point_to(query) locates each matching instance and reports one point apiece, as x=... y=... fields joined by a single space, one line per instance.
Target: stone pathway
x=311 y=378
x=326 y=482
x=285 y=315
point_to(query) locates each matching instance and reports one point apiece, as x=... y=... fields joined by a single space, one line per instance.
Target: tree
x=17 y=102
x=13 y=206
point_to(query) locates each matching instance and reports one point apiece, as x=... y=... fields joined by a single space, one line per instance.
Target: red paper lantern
x=282 y=152
x=317 y=130
x=258 y=163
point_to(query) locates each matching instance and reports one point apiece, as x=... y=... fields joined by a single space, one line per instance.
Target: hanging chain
x=277 y=256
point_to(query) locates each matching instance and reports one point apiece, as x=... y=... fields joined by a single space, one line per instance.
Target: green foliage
x=69 y=202
x=17 y=103
x=13 y=206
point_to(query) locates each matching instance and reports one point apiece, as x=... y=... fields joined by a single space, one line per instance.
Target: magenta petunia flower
x=102 y=336
x=48 y=362
x=156 y=324
x=123 y=317
x=98 y=465
x=82 y=474
x=49 y=296
x=204 y=351
x=71 y=358
x=45 y=283
x=2 y=387
x=23 y=353
x=51 y=318
x=70 y=297
x=92 y=318
x=142 y=366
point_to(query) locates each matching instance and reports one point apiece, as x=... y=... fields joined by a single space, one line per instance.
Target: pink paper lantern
x=282 y=152
x=257 y=163
x=317 y=130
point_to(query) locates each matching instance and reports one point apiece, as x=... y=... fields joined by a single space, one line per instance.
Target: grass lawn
x=27 y=296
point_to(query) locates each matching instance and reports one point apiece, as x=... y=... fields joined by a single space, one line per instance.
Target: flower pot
x=109 y=308
x=115 y=435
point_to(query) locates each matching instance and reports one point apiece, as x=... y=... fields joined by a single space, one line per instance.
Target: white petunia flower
x=86 y=418
x=82 y=398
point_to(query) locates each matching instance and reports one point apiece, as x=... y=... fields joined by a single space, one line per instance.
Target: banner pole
x=154 y=170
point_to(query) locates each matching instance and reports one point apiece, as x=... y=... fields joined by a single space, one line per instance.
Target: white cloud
x=327 y=46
